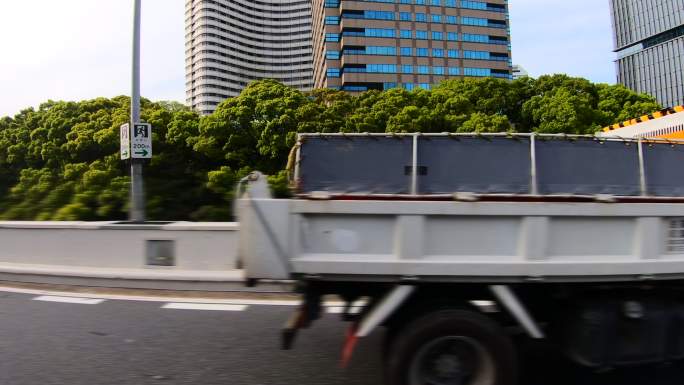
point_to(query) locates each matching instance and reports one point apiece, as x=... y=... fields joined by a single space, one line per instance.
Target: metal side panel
x=264 y=246
x=475 y=240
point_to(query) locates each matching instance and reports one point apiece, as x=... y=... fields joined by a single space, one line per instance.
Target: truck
x=455 y=243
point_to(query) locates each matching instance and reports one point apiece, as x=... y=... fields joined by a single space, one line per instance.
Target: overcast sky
x=80 y=49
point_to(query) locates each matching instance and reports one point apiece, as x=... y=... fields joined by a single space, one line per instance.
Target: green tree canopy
x=61 y=161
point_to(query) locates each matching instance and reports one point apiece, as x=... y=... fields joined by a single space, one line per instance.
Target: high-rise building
x=380 y=44
x=230 y=43
x=649 y=42
x=519 y=72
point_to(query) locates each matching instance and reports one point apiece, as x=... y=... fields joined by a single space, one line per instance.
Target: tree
x=61 y=161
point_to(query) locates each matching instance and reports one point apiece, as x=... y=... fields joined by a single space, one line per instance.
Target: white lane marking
x=118 y=297
x=340 y=310
x=203 y=306
x=78 y=300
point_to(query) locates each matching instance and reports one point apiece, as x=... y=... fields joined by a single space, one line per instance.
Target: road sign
x=141 y=141
x=125 y=136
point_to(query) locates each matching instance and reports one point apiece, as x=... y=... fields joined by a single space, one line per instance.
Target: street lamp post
x=137 y=204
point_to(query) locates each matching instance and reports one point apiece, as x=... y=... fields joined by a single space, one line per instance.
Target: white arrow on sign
x=125 y=136
x=141 y=141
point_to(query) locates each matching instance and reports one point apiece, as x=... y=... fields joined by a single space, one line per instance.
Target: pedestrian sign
x=141 y=141
x=125 y=136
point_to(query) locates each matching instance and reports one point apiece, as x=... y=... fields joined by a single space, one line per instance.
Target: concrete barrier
x=178 y=251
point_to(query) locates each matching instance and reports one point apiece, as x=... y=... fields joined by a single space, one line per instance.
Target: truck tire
x=454 y=347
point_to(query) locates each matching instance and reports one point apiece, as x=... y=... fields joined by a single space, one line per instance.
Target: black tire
x=454 y=345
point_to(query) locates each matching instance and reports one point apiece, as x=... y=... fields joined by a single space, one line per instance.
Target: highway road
x=56 y=339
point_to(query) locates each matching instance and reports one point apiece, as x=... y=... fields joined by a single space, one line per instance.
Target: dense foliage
x=61 y=162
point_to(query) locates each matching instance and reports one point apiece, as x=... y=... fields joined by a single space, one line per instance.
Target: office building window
x=437 y=35
x=406 y=51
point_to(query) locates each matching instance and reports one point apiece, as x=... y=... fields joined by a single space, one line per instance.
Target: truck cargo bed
x=461 y=241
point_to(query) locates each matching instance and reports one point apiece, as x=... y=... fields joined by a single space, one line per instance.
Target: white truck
x=579 y=240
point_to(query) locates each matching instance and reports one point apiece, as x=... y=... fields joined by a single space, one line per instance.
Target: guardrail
x=182 y=251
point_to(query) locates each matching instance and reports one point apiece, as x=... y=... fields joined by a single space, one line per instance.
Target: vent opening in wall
x=675 y=236
x=160 y=252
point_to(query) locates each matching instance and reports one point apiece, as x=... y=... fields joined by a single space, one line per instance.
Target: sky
x=81 y=49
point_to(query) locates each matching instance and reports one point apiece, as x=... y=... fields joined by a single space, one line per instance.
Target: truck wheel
x=451 y=347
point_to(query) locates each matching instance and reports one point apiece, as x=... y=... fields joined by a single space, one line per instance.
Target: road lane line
x=340 y=310
x=78 y=300
x=203 y=306
x=147 y=298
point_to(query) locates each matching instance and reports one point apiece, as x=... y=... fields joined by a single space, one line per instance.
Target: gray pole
x=137 y=209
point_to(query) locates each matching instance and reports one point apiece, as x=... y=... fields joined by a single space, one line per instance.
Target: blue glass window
x=452 y=53
x=450 y=3
x=332 y=20
x=333 y=72
x=421 y=17
x=421 y=35
x=475 y=38
x=389 y=85
x=379 y=32
x=452 y=36
x=381 y=68
x=406 y=69
x=476 y=55
x=437 y=52
x=425 y=86
x=477 y=72
x=474 y=5
x=406 y=51
x=332 y=55
x=405 y=16
x=382 y=50
x=454 y=71
x=332 y=37
x=437 y=35
x=405 y=33
x=379 y=15
x=424 y=70
x=476 y=21
x=438 y=70
x=436 y=2
x=420 y=2
x=408 y=86
x=421 y=52
x=436 y=18
x=451 y=19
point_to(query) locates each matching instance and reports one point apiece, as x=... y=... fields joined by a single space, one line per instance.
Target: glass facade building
x=649 y=42
x=380 y=44
x=230 y=43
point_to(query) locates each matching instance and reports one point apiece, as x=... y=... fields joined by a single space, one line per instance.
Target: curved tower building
x=230 y=43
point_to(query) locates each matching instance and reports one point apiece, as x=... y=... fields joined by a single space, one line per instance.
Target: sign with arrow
x=141 y=141
x=125 y=136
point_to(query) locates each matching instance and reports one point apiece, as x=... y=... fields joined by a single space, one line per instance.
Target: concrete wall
x=107 y=245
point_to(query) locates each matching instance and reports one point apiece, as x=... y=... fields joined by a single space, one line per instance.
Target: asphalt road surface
x=51 y=340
